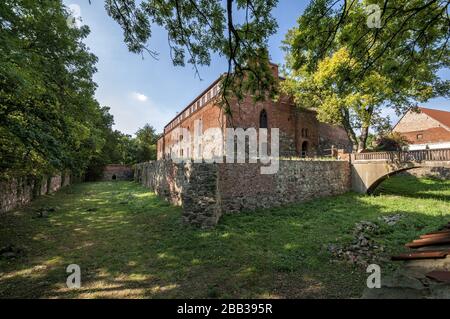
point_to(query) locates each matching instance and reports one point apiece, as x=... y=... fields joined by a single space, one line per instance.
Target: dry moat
x=131 y=244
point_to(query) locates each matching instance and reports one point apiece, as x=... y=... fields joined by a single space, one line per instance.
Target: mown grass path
x=130 y=244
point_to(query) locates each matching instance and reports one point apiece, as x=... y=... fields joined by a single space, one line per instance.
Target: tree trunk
x=363 y=139
x=348 y=128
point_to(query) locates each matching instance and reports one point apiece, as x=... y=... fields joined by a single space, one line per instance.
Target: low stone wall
x=19 y=191
x=435 y=172
x=242 y=187
x=206 y=191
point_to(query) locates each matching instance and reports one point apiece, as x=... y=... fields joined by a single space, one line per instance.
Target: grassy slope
x=134 y=245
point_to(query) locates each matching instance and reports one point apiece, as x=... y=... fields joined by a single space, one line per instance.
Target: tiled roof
x=440 y=116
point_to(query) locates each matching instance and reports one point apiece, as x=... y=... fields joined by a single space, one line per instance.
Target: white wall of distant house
x=431 y=146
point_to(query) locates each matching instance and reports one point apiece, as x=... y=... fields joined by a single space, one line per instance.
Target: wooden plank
x=428 y=242
x=421 y=255
x=439 y=232
x=442 y=235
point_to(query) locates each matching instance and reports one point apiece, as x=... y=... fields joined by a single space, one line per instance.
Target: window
x=304 y=132
x=419 y=136
x=263 y=119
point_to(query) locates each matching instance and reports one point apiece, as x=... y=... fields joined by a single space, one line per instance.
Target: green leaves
x=349 y=72
x=48 y=115
x=198 y=29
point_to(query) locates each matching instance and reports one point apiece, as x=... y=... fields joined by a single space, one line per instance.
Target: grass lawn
x=130 y=244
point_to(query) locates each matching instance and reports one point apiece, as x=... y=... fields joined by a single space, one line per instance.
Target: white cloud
x=140 y=97
x=130 y=116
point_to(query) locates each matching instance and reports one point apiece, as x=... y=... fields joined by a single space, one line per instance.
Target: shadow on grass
x=133 y=245
x=411 y=186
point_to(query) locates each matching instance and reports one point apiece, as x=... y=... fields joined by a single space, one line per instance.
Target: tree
x=392 y=141
x=349 y=72
x=49 y=119
x=236 y=29
x=146 y=140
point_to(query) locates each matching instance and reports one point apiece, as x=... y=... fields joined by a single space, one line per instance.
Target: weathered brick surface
x=117 y=172
x=206 y=191
x=20 y=191
x=242 y=187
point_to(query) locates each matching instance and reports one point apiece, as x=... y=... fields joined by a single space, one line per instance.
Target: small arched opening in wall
x=114 y=177
x=304 y=149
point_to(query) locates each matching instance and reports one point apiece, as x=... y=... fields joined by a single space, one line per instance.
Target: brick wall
x=242 y=187
x=206 y=191
x=117 y=172
x=300 y=131
x=20 y=191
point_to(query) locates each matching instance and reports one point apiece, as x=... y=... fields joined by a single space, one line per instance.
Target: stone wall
x=19 y=191
x=435 y=172
x=207 y=191
x=243 y=188
x=191 y=185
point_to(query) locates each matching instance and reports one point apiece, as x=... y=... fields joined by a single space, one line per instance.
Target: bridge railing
x=406 y=156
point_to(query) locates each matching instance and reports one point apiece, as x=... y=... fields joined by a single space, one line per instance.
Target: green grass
x=133 y=245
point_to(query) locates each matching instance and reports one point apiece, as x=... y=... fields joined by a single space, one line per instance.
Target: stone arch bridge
x=370 y=169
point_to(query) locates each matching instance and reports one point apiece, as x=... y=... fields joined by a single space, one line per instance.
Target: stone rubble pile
x=362 y=251
x=391 y=219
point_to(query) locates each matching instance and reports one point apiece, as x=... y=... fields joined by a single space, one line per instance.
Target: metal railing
x=406 y=156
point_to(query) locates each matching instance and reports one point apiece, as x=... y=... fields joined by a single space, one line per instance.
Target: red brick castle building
x=301 y=134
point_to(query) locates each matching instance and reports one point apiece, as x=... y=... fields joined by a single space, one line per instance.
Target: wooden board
x=421 y=255
x=428 y=242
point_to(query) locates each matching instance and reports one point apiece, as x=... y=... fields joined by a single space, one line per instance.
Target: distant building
x=425 y=128
x=301 y=134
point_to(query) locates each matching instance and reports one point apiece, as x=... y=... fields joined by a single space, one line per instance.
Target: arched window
x=263 y=119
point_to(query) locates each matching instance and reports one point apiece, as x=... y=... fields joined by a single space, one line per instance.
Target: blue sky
x=144 y=90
